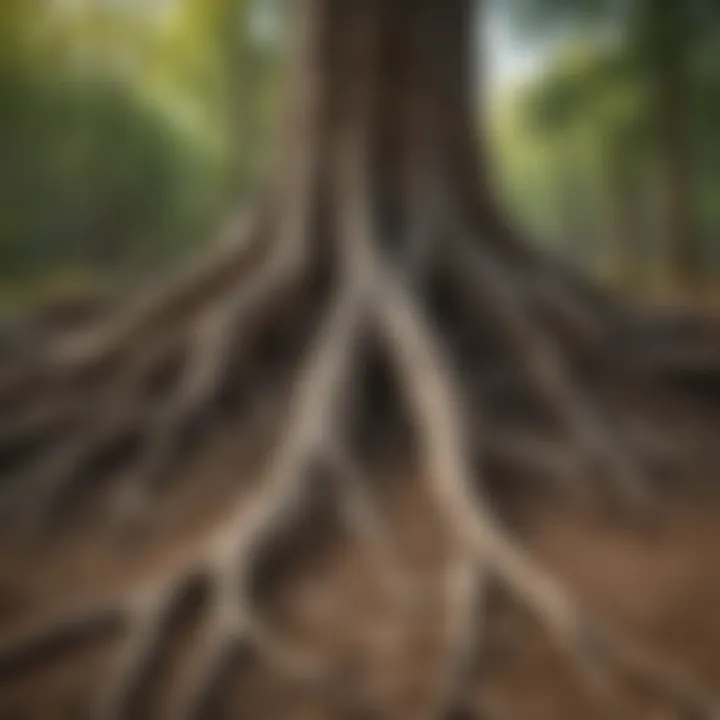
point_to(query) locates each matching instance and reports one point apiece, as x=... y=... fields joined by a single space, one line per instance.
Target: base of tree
x=473 y=359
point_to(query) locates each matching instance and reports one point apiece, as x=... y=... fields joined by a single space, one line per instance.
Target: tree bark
x=666 y=26
x=417 y=112
x=684 y=259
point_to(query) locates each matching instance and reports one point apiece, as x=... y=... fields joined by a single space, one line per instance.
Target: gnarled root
x=374 y=297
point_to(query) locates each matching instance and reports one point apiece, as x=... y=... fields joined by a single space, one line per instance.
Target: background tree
x=660 y=43
x=594 y=104
x=117 y=121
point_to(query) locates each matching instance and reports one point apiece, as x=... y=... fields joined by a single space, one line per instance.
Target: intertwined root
x=374 y=297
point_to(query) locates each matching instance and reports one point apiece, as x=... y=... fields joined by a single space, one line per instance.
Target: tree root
x=373 y=297
x=487 y=277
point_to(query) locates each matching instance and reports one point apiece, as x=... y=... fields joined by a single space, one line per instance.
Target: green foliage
x=125 y=129
x=597 y=117
x=89 y=173
x=543 y=17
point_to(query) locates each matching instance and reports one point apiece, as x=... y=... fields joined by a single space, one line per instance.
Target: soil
x=659 y=581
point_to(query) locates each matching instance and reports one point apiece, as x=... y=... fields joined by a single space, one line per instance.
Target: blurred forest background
x=130 y=128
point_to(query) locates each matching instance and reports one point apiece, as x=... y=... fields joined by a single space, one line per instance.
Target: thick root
x=374 y=296
x=488 y=279
x=436 y=405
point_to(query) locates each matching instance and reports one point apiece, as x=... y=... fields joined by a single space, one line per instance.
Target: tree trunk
x=394 y=77
x=624 y=237
x=398 y=80
x=666 y=26
x=684 y=258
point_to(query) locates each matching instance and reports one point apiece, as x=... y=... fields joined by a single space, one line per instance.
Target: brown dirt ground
x=660 y=583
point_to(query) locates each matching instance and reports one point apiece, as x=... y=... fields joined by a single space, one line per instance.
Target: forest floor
x=660 y=581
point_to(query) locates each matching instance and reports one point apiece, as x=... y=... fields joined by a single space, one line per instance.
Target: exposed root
x=205 y=370
x=530 y=456
x=30 y=498
x=146 y=624
x=436 y=405
x=215 y=643
x=487 y=278
x=374 y=295
x=236 y=246
x=465 y=586
x=364 y=519
x=562 y=307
